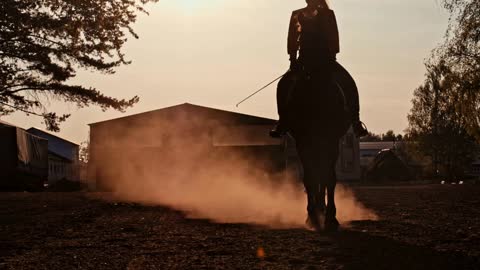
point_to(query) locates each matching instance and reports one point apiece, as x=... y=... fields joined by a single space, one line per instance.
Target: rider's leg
x=350 y=90
x=284 y=89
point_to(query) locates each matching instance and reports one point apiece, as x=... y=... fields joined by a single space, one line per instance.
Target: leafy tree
x=44 y=42
x=461 y=53
x=371 y=137
x=389 y=136
x=386 y=137
x=435 y=126
x=84 y=154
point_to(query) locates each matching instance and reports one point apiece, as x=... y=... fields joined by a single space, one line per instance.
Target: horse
x=314 y=108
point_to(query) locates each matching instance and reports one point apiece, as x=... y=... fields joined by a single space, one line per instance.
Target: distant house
x=183 y=138
x=475 y=168
x=369 y=150
x=63 y=157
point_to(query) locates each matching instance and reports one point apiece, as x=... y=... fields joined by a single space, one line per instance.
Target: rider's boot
x=331 y=222
x=278 y=130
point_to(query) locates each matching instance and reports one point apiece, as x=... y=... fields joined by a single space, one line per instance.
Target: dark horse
x=315 y=112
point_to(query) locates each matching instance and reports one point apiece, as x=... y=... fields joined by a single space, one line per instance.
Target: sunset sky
x=216 y=52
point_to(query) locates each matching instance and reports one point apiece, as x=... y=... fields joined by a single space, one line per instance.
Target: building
x=63 y=157
x=23 y=159
x=475 y=168
x=185 y=137
x=369 y=150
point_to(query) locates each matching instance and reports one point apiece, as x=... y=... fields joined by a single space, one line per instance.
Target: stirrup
x=360 y=129
x=277 y=132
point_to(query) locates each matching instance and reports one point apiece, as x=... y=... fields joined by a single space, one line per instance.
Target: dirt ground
x=420 y=227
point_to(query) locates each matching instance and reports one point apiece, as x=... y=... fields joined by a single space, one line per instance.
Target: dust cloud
x=184 y=172
x=236 y=198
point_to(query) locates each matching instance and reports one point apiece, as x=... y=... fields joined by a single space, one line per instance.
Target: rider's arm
x=293 y=35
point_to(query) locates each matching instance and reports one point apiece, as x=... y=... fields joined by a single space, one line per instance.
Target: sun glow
x=190 y=3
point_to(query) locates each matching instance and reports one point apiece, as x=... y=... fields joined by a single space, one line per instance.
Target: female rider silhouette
x=313 y=32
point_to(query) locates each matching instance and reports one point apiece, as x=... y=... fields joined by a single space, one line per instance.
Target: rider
x=313 y=32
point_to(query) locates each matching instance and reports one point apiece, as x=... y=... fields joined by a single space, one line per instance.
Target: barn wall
x=184 y=139
x=159 y=144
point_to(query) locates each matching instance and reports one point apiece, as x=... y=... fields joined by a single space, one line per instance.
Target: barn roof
x=43 y=133
x=197 y=109
x=6 y=123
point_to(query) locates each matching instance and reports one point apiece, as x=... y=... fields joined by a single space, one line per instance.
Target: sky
x=216 y=52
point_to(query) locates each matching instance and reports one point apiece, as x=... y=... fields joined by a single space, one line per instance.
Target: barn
x=23 y=159
x=63 y=157
x=187 y=137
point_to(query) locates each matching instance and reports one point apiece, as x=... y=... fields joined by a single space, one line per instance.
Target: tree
x=389 y=136
x=44 y=43
x=84 y=154
x=461 y=53
x=371 y=137
x=435 y=126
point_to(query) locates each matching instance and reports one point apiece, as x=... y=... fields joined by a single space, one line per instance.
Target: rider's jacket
x=313 y=33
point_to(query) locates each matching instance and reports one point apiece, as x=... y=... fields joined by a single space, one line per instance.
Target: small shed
x=369 y=150
x=387 y=166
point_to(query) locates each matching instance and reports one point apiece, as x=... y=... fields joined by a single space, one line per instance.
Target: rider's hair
x=322 y=3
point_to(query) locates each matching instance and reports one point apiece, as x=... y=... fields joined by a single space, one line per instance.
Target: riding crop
x=256 y=92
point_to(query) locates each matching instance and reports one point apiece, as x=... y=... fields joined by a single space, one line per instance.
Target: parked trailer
x=23 y=160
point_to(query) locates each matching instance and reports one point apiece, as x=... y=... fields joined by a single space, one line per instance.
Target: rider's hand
x=294 y=65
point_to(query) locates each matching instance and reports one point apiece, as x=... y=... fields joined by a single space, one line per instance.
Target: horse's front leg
x=316 y=206
x=331 y=222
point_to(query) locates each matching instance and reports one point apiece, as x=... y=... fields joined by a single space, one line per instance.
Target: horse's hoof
x=331 y=225
x=314 y=224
